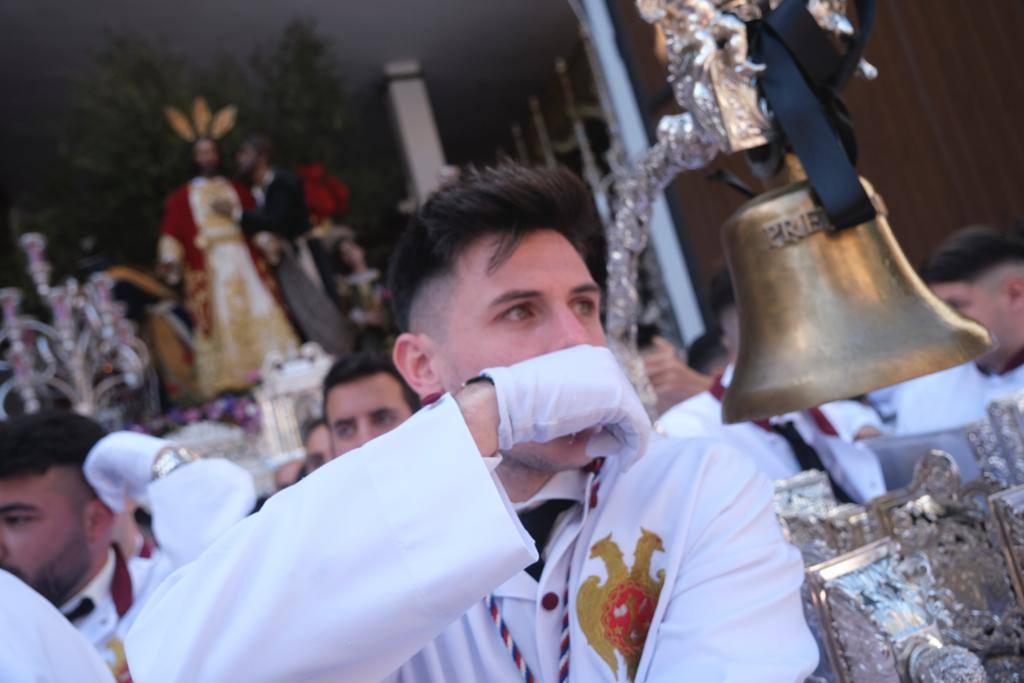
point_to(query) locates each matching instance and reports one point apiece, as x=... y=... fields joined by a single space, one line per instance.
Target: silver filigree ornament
x=968 y=587
x=878 y=624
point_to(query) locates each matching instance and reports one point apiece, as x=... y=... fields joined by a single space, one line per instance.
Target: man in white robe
x=670 y=568
x=62 y=485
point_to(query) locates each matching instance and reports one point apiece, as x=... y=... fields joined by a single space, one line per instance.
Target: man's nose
x=369 y=432
x=571 y=331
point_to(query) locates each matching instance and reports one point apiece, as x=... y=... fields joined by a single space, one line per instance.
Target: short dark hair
x=706 y=350
x=969 y=253
x=261 y=144
x=362 y=364
x=32 y=444
x=720 y=293
x=509 y=201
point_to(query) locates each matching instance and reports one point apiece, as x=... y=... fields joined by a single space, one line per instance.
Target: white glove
x=566 y=392
x=120 y=466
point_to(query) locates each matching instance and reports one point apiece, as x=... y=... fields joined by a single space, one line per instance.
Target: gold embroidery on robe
x=115 y=659
x=616 y=616
x=238 y=319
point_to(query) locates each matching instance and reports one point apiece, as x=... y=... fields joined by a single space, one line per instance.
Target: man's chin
x=15 y=573
x=559 y=455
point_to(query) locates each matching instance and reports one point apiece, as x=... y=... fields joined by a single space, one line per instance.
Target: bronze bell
x=825 y=314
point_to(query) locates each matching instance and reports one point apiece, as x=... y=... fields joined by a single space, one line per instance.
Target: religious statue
x=231 y=296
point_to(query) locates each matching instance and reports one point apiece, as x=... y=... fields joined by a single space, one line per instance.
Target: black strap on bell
x=803 y=77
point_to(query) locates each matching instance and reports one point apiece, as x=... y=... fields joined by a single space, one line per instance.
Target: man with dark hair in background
x=316 y=442
x=978 y=272
x=364 y=397
x=63 y=482
x=669 y=566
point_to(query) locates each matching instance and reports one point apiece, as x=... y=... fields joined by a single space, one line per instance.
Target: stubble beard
x=57 y=579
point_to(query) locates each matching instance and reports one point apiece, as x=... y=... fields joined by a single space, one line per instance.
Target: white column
x=670 y=256
x=415 y=128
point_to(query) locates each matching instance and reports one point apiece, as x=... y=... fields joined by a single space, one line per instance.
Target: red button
x=549 y=601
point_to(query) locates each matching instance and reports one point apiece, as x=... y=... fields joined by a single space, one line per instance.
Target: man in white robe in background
x=62 y=485
x=979 y=272
x=820 y=438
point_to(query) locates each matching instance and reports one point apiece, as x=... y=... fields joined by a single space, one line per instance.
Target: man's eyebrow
x=515 y=295
x=343 y=421
x=588 y=288
x=16 y=507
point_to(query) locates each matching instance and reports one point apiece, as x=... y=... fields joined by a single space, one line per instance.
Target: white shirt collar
x=569 y=485
x=727 y=375
x=97 y=589
x=267 y=179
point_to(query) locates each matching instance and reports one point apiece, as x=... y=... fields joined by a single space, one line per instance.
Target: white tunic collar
x=570 y=485
x=97 y=589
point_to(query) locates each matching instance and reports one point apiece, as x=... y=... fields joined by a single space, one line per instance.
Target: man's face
x=206 y=157
x=318 y=447
x=970 y=299
x=541 y=299
x=43 y=531
x=996 y=300
x=362 y=410
x=729 y=321
x=247 y=159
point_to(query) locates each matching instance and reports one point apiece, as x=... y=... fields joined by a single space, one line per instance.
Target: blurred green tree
x=118 y=159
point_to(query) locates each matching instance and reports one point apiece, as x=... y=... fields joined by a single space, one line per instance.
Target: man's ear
x=99 y=521
x=1013 y=290
x=416 y=359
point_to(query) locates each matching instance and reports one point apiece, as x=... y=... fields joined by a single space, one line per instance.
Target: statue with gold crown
x=233 y=301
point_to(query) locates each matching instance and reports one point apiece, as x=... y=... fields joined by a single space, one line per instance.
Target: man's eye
x=517 y=313
x=17 y=520
x=586 y=308
x=384 y=417
x=344 y=432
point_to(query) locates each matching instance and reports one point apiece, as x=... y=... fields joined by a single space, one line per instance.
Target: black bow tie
x=539 y=523
x=808 y=457
x=82 y=610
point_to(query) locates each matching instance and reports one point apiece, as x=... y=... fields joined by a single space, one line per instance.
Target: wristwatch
x=170 y=458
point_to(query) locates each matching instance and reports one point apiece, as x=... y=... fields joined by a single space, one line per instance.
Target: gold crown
x=203 y=124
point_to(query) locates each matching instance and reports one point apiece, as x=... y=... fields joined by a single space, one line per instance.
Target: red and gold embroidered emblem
x=617 y=615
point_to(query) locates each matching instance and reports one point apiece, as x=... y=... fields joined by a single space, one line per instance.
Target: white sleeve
x=849 y=417
x=345 y=575
x=38 y=644
x=680 y=422
x=735 y=613
x=196 y=503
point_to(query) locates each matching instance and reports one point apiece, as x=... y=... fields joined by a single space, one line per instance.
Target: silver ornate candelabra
x=87 y=357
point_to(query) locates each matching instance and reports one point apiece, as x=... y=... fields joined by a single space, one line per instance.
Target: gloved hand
x=570 y=391
x=120 y=466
